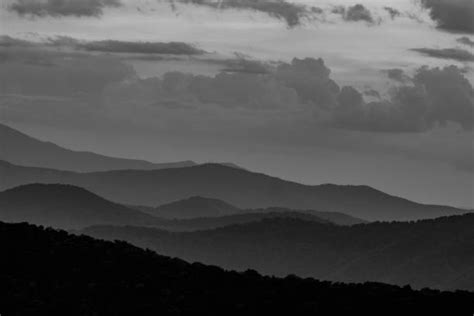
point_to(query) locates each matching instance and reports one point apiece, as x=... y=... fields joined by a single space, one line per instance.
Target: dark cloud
x=57 y=8
x=310 y=78
x=110 y=46
x=447 y=53
x=438 y=96
x=358 y=13
x=107 y=46
x=291 y=13
x=393 y=12
x=465 y=41
x=452 y=15
x=397 y=75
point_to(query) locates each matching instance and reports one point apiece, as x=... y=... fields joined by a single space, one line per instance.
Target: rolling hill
x=435 y=253
x=65 y=206
x=54 y=273
x=193 y=207
x=239 y=187
x=19 y=148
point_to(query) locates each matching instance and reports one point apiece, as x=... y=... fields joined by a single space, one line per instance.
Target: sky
x=375 y=92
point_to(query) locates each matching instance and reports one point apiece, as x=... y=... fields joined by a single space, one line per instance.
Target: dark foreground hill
x=238 y=187
x=430 y=253
x=21 y=149
x=49 y=272
x=65 y=206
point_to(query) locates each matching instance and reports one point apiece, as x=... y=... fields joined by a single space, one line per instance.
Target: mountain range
x=50 y=272
x=239 y=187
x=19 y=148
x=70 y=207
x=198 y=209
x=435 y=253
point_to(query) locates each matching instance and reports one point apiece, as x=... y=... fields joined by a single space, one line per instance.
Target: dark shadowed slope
x=195 y=206
x=435 y=253
x=238 y=187
x=21 y=149
x=65 y=206
x=54 y=273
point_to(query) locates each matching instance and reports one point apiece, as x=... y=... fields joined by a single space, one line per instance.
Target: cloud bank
x=291 y=13
x=58 y=8
x=452 y=15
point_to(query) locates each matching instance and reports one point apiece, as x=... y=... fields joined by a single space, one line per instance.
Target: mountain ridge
x=239 y=187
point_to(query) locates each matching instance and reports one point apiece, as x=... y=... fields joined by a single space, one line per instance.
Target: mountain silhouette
x=428 y=253
x=239 y=187
x=65 y=206
x=50 y=272
x=21 y=149
x=203 y=223
x=195 y=206
x=71 y=207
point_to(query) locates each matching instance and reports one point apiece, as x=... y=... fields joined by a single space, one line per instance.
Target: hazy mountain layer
x=239 y=187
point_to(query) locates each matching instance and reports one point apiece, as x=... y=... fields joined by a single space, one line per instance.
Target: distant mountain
x=65 y=206
x=21 y=149
x=203 y=223
x=434 y=253
x=333 y=217
x=239 y=187
x=195 y=206
x=51 y=272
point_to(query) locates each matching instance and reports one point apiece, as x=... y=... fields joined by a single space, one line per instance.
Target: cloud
x=437 y=96
x=7 y=41
x=393 y=12
x=111 y=46
x=243 y=65
x=447 y=53
x=58 y=8
x=465 y=41
x=357 y=13
x=310 y=78
x=452 y=15
x=291 y=13
x=106 y=46
x=397 y=75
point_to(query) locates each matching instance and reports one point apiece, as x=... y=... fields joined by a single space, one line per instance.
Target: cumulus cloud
x=447 y=53
x=58 y=8
x=465 y=41
x=358 y=13
x=397 y=74
x=452 y=15
x=291 y=13
x=355 y=13
x=437 y=96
